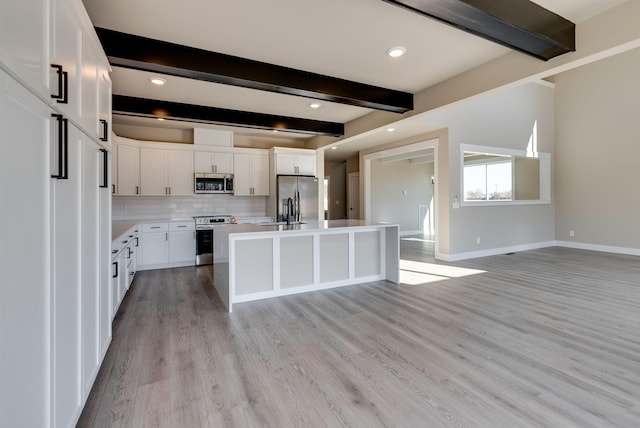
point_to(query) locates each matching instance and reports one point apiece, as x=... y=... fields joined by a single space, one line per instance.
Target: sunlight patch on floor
x=415 y=273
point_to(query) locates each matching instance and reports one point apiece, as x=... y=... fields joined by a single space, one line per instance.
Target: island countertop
x=305 y=227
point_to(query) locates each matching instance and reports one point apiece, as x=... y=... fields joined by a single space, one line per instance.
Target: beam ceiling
x=142 y=53
x=142 y=107
x=518 y=24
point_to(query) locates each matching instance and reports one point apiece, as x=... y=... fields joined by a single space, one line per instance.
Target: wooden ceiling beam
x=142 y=53
x=142 y=107
x=518 y=24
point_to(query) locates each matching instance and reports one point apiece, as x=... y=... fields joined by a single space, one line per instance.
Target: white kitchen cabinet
x=218 y=162
x=90 y=245
x=25 y=258
x=104 y=105
x=24 y=42
x=67 y=284
x=295 y=161
x=66 y=52
x=182 y=242
x=118 y=275
x=155 y=244
x=90 y=91
x=165 y=172
x=251 y=174
x=128 y=179
x=104 y=229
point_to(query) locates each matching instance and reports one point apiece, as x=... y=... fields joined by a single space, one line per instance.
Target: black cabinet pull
x=105 y=167
x=115 y=275
x=62 y=96
x=136 y=190
x=113 y=189
x=105 y=130
x=63 y=147
x=137 y=243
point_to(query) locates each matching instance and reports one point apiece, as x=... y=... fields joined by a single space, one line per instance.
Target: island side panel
x=253 y=266
x=367 y=251
x=296 y=261
x=221 y=280
x=334 y=257
x=392 y=254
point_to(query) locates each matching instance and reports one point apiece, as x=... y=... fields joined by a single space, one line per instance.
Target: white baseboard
x=503 y=250
x=596 y=247
x=493 y=251
x=411 y=232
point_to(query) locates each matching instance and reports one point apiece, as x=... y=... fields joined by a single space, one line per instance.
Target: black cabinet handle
x=137 y=243
x=128 y=252
x=62 y=96
x=63 y=147
x=113 y=189
x=115 y=275
x=105 y=167
x=137 y=190
x=105 y=130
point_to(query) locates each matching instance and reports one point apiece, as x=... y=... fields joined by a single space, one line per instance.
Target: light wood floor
x=546 y=338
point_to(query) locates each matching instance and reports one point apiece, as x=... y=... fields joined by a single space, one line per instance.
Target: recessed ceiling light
x=161 y=118
x=334 y=147
x=275 y=131
x=396 y=52
x=391 y=129
x=158 y=81
x=314 y=105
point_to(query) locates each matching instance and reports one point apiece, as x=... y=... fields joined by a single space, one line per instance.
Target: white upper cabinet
x=218 y=162
x=128 y=170
x=251 y=177
x=24 y=42
x=104 y=105
x=66 y=54
x=166 y=172
x=295 y=161
x=90 y=121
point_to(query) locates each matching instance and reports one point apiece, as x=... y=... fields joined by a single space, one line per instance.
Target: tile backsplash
x=152 y=207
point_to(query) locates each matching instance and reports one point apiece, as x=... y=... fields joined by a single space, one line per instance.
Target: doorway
x=353 y=195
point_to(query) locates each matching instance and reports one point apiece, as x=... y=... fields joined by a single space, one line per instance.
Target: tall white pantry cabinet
x=55 y=211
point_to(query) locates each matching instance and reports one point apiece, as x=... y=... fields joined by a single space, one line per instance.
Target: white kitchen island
x=254 y=262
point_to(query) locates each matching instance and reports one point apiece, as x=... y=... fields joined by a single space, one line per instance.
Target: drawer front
x=155 y=227
x=182 y=225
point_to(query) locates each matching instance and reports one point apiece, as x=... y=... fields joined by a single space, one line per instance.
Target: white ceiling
x=344 y=39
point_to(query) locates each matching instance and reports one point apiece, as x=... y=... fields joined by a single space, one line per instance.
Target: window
x=326 y=194
x=488 y=179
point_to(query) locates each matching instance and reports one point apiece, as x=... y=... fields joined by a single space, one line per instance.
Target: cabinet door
x=285 y=164
x=180 y=172
x=67 y=291
x=104 y=106
x=153 y=172
x=260 y=175
x=24 y=42
x=223 y=163
x=242 y=175
x=90 y=61
x=115 y=288
x=203 y=162
x=182 y=246
x=306 y=164
x=24 y=257
x=90 y=263
x=66 y=51
x=128 y=170
x=155 y=248
x=104 y=228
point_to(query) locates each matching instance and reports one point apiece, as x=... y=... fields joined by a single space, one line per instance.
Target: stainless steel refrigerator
x=303 y=192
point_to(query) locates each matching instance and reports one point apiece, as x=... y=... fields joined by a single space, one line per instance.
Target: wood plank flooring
x=545 y=338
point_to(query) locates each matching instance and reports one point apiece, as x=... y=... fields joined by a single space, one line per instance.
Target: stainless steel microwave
x=213 y=183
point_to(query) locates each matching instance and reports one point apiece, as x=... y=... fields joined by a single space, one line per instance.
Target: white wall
x=504 y=118
x=151 y=207
x=397 y=190
x=598 y=152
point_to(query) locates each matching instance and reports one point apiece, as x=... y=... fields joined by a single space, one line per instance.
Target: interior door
x=353 y=196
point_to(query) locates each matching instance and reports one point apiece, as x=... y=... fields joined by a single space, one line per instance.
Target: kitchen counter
x=119 y=227
x=253 y=261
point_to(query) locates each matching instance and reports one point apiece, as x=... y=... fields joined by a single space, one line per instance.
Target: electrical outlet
x=478 y=240
x=572 y=233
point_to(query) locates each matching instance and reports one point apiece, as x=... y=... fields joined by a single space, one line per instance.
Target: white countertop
x=310 y=226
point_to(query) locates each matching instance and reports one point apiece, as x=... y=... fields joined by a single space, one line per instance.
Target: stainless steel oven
x=205 y=226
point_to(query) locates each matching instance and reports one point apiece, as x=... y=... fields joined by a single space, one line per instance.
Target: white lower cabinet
x=182 y=242
x=167 y=244
x=123 y=266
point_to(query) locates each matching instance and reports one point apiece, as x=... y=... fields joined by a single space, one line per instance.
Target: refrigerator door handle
x=297 y=206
